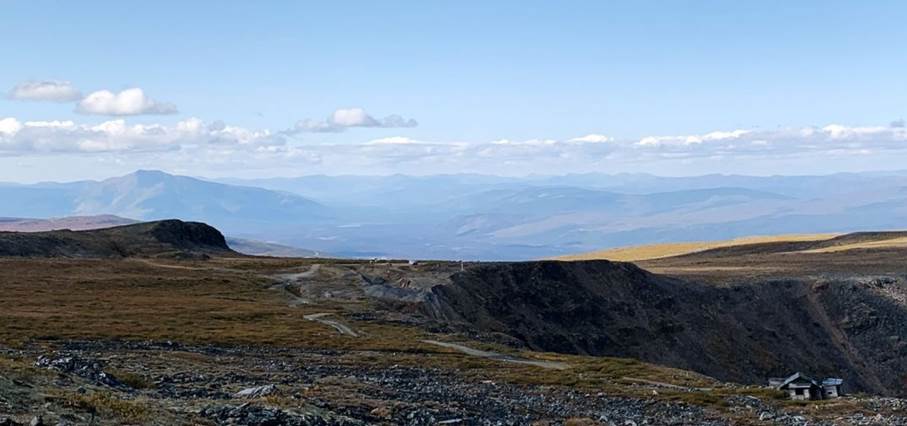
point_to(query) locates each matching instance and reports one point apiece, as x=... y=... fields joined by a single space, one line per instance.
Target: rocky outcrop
x=163 y=238
x=188 y=235
x=91 y=370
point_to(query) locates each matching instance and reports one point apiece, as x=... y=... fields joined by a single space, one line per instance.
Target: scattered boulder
x=256 y=392
x=383 y=412
x=87 y=369
x=253 y=415
x=580 y=421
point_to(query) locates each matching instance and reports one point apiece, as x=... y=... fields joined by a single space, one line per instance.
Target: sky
x=261 y=89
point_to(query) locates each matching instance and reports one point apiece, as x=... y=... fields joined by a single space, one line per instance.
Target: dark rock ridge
x=744 y=332
x=166 y=238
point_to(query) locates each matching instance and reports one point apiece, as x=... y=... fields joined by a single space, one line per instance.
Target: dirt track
x=499 y=357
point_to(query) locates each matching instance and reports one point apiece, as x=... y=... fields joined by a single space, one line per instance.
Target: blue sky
x=466 y=72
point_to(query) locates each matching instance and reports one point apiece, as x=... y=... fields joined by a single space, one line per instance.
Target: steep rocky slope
x=742 y=332
x=162 y=238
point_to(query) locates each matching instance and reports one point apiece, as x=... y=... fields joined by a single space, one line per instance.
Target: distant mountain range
x=261 y=248
x=153 y=195
x=481 y=217
x=72 y=223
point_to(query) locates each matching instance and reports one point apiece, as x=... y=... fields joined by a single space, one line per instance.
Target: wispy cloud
x=393 y=140
x=45 y=90
x=688 y=140
x=116 y=136
x=830 y=139
x=346 y=118
x=207 y=144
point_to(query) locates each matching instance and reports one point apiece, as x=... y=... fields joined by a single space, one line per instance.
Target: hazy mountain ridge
x=483 y=217
x=154 y=195
x=73 y=223
x=263 y=248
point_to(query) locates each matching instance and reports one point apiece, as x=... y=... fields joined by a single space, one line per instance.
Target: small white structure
x=832 y=387
x=801 y=387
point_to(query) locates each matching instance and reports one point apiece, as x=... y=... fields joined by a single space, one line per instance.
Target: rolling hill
x=657 y=251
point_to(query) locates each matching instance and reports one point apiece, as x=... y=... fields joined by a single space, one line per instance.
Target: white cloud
x=10 y=126
x=593 y=138
x=528 y=142
x=650 y=141
x=834 y=139
x=352 y=117
x=346 y=118
x=692 y=139
x=117 y=136
x=837 y=131
x=128 y=102
x=46 y=90
x=393 y=140
x=720 y=135
x=51 y=124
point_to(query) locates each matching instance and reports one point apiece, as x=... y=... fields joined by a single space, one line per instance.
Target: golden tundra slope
x=658 y=251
